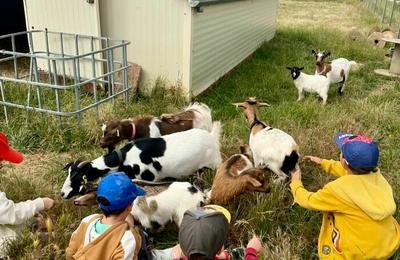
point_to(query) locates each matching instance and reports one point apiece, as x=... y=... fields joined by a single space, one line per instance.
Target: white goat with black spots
x=151 y=159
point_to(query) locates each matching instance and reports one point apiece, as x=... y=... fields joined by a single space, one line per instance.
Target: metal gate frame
x=101 y=55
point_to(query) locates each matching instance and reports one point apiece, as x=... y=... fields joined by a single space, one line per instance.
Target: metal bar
x=14 y=56
x=58 y=104
x=125 y=73
x=113 y=73
x=61 y=87
x=384 y=11
x=108 y=69
x=48 y=54
x=94 y=76
x=28 y=101
x=62 y=55
x=34 y=61
x=4 y=100
x=62 y=113
x=77 y=91
x=391 y=15
x=70 y=57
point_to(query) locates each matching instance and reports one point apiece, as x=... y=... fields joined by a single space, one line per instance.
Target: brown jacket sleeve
x=75 y=242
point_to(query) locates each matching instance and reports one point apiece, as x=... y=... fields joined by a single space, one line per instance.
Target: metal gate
x=63 y=74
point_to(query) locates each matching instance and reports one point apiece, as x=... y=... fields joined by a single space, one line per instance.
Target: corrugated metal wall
x=225 y=34
x=156 y=31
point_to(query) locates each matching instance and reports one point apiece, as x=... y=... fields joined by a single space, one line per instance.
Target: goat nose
x=62 y=194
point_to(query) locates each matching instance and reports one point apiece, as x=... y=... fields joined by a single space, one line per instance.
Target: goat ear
x=244 y=149
x=301 y=68
x=255 y=182
x=327 y=53
x=313 y=52
x=289 y=68
x=239 y=105
x=68 y=165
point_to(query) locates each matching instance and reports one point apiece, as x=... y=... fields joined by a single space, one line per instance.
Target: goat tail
x=216 y=130
x=352 y=63
x=202 y=117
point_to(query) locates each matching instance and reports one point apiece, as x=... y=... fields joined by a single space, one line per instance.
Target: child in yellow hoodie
x=357 y=207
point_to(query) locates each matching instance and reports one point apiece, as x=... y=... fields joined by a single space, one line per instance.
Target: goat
x=197 y=115
x=270 y=147
x=236 y=176
x=150 y=159
x=337 y=71
x=155 y=211
x=160 y=205
x=309 y=83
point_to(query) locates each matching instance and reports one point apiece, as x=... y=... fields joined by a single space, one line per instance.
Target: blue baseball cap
x=116 y=191
x=361 y=152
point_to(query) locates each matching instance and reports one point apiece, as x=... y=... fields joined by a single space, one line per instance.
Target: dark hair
x=108 y=213
x=199 y=257
x=114 y=212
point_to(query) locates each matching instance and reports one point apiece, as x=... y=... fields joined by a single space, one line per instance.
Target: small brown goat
x=197 y=115
x=236 y=176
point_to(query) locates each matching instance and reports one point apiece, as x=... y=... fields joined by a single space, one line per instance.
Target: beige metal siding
x=155 y=29
x=225 y=34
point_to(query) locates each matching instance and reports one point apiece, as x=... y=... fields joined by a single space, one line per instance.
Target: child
x=357 y=207
x=202 y=235
x=12 y=215
x=109 y=235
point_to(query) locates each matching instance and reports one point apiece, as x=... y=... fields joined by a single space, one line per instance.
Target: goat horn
x=263 y=104
x=237 y=104
x=82 y=164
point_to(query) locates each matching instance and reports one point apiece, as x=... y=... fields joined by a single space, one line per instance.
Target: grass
x=370 y=105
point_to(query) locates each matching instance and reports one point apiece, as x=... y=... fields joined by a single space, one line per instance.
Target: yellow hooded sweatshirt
x=357 y=212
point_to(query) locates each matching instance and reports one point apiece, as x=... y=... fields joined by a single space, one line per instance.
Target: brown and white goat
x=337 y=71
x=197 y=115
x=161 y=204
x=270 y=147
x=236 y=176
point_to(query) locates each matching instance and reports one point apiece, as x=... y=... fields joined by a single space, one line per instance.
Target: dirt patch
x=381 y=89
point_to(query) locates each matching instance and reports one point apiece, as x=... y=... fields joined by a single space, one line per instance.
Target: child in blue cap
x=357 y=207
x=109 y=235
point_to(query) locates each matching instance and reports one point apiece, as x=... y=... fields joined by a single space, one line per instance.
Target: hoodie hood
x=370 y=192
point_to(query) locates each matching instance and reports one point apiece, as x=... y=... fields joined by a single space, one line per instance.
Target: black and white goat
x=197 y=115
x=161 y=204
x=270 y=147
x=337 y=71
x=151 y=159
x=309 y=83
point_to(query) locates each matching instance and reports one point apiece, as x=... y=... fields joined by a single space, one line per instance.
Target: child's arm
x=330 y=166
x=17 y=213
x=333 y=167
x=72 y=247
x=322 y=200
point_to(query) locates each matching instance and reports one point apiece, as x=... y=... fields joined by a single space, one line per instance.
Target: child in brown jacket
x=108 y=235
